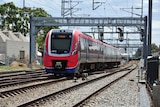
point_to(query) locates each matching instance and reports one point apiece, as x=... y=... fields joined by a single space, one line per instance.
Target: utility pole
x=23 y=16
x=142 y=9
x=149 y=26
x=23 y=3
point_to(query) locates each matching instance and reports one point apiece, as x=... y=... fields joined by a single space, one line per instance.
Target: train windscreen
x=60 y=43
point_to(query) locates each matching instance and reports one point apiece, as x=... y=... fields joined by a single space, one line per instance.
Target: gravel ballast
x=124 y=93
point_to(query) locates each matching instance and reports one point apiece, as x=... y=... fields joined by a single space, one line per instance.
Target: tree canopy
x=154 y=49
x=17 y=19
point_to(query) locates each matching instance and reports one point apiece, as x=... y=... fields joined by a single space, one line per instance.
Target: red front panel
x=71 y=60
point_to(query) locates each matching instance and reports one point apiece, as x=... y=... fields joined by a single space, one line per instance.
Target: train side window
x=86 y=43
x=89 y=42
x=82 y=43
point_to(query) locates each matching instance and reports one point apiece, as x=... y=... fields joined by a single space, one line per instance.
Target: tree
x=9 y=16
x=154 y=48
x=17 y=19
x=138 y=53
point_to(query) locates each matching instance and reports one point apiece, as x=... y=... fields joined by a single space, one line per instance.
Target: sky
x=108 y=8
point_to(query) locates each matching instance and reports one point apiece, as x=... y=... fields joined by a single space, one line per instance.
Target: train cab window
x=61 y=43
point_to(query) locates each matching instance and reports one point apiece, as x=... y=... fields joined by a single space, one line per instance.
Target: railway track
x=85 y=100
x=21 y=77
x=59 y=95
x=16 y=91
x=23 y=89
x=13 y=78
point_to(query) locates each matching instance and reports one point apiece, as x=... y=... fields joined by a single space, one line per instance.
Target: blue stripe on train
x=66 y=71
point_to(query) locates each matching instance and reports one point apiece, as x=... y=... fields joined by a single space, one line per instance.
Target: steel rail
x=16 y=91
x=85 y=100
x=43 y=99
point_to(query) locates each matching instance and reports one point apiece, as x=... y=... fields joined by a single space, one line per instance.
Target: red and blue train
x=71 y=52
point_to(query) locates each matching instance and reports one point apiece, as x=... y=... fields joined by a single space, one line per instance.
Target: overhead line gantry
x=117 y=22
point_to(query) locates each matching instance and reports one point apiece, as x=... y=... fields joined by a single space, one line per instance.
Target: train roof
x=62 y=30
x=96 y=40
x=83 y=35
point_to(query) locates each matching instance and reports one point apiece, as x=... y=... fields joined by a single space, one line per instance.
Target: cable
x=113 y=8
x=94 y=10
x=50 y=4
x=43 y=4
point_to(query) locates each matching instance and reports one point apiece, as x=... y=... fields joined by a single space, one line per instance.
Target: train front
x=60 y=53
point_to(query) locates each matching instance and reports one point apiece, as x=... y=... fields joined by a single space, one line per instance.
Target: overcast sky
x=109 y=8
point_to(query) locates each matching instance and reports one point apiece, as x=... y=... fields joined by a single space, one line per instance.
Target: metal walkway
x=144 y=98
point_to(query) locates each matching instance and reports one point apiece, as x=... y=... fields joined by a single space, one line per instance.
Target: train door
x=110 y=54
x=79 y=50
x=98 y=52
x=87 y=50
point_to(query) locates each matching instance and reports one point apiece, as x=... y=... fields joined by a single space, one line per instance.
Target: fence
x=153 y=79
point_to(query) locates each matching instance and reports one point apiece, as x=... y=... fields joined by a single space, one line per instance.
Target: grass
x=11 y=68
x=6 y=68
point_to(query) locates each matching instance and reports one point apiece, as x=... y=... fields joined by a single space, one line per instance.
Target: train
x=71 y=53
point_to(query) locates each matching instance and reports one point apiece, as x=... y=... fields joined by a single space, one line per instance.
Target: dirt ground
x=14 y=66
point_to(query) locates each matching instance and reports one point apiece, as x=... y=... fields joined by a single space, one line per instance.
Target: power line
x=43 y=4
x=113 y=8
x=92 y=10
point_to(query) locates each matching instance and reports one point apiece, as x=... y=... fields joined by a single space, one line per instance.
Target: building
x=13 y=46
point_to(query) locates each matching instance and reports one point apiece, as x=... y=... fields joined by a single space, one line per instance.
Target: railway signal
x=142 y=35
x=121 y=37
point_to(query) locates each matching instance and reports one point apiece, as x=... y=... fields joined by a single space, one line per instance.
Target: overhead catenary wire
x=92 y=10
x=47 y=6
x=55 y=6
x=111 y=7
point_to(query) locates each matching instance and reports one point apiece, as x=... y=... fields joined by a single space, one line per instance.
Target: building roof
x=9 y=35
x=3 y=37
x=20 y=36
